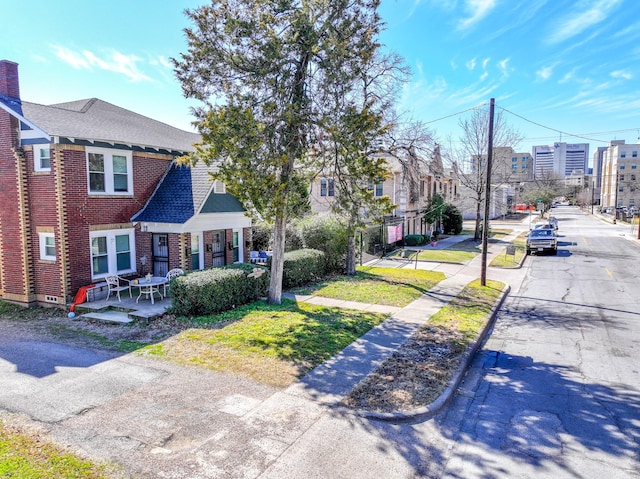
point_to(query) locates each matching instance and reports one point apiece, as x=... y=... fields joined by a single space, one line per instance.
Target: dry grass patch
x=416 y=374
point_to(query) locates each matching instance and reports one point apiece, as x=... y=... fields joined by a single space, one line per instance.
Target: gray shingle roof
x=97 y=120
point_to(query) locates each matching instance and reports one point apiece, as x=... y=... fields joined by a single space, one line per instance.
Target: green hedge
x=301 y=267
x=329 y=236
x=214 y=290
x=415 y=240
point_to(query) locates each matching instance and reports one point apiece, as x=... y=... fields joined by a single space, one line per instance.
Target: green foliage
x=452 y=220
x=302 y=266
x=272 y=76
x=327 y=235
x=214 y=290
x=261 y=236
x=293 y=240
x=415 y=240
x=434 y=211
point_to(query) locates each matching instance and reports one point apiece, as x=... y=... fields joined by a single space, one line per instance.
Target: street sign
x=511 y=249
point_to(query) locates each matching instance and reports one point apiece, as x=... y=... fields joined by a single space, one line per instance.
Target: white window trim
x=111 y=251
x=240 y=245
x=42 y=239
x=36 y=157
x=108 y=171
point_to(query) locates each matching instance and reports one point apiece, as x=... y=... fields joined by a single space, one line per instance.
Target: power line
x=553 y=129
x=455 y=114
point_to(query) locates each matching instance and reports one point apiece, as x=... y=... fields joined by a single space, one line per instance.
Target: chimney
x=9 y=85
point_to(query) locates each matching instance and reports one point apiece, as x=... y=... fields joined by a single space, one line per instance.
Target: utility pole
x=487 y=198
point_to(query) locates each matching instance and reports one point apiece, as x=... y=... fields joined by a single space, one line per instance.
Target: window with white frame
x=112 y=252
x=327 y=187
x=109 y=171
x=47 y=246
x=42 y=158
x=376 y=188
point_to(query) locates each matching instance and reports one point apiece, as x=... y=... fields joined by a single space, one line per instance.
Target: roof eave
x=20 y=117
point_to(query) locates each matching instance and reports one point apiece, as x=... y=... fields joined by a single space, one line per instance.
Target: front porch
x=125 y=311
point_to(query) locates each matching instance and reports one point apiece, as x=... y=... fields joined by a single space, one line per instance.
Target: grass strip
x=388 y=286
x=421 y=369
x=24 y=455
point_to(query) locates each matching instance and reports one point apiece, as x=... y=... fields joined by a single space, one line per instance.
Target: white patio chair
x=170 y=275
x=116 y=284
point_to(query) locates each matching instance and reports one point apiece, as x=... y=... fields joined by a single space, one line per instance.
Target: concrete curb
x=430 y=410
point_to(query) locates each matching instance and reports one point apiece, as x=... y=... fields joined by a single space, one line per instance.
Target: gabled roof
x=96 y=120
x=184 y=192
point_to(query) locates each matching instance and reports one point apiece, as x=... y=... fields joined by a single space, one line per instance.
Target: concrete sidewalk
x=330 y=382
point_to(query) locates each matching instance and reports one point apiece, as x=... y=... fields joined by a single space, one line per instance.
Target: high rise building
x=560 y=159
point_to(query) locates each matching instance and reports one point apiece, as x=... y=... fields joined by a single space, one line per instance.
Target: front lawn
x=273 y=344
x=389 y=286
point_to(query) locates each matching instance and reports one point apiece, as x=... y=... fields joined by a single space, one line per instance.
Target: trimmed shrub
x=293 y=240
x=214 y=290
x=302 y=266
x=329 y=236
x=452 y=220
x=261 y=236
x=414 y=240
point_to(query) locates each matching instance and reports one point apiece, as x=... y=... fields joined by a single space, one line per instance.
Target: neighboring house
x=89 y=189
x=410 y=189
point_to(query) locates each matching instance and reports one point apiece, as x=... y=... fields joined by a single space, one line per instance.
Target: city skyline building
x=561 y=159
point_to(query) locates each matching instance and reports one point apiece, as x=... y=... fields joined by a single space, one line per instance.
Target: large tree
x=364 y=139
x=260 y=68
x=474 y=143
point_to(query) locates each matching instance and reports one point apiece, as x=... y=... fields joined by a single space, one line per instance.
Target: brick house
x=89 y=189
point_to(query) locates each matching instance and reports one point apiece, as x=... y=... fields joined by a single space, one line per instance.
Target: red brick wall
x=42 y=204
x=83 y=210
x=12 y=273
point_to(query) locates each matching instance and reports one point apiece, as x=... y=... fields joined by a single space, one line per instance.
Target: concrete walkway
x=330 y=382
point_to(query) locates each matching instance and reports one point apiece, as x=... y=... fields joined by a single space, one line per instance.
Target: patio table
x=148 y=287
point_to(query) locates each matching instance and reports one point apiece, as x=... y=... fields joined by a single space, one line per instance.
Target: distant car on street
x=541 y=240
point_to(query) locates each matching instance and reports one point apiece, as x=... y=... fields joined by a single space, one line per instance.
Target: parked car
x=554 y=222
x=544 y=226
x=541 y=240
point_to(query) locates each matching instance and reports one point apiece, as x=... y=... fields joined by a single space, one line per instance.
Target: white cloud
x=115 y=62
x=471 y=64
x=484 y=76
x=478 y=9
x=503 y=65
x=74 y=59
x=577 y=21
x=622 y=74
x=485 y=62
x=544 y=73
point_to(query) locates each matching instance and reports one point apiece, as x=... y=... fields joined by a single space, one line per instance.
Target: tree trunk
x=476 y=234
x=351 y=253
x=277 y=260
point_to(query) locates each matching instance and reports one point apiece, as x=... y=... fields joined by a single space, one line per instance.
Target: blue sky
x=569 y=65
